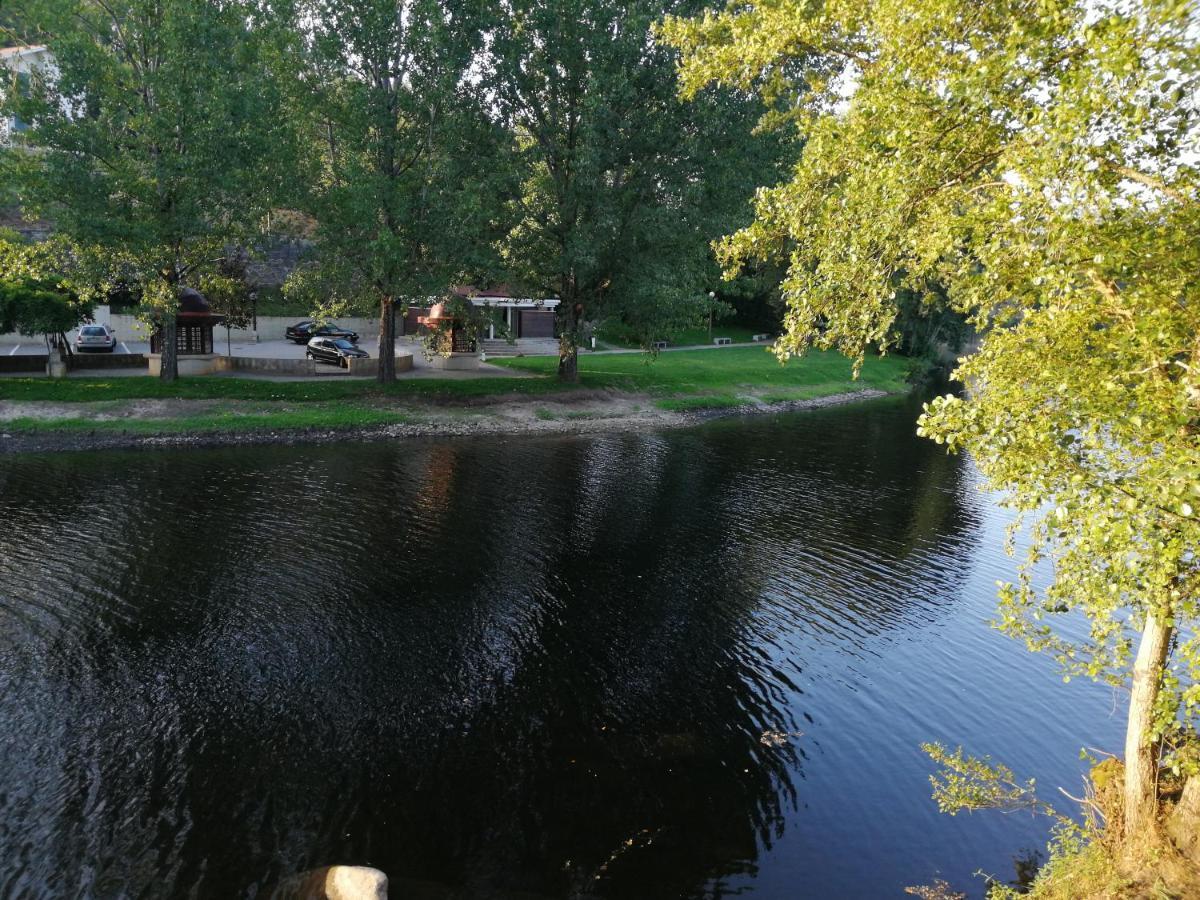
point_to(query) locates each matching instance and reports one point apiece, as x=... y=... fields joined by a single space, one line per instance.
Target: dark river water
x=688 y=664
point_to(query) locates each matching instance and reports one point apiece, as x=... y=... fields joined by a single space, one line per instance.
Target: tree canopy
x=622 y=185
x=403 y=182
x=159 y=134
x=37 y=293
x=1037 y=159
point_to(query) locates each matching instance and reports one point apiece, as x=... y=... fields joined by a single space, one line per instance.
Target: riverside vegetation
x=1031 y=165
x=1028 y=165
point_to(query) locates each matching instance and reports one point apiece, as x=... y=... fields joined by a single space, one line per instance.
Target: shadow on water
x=506 y=667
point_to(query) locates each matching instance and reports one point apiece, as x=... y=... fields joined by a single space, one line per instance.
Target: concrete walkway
x=609 y=349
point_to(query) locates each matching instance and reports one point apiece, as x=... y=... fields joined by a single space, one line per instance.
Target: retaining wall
x=370 y=367
x=265 y=366
x=30 y=364
x=88 y=361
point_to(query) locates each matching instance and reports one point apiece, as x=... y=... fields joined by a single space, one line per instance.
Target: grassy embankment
x=710 y=379
x=674 y=381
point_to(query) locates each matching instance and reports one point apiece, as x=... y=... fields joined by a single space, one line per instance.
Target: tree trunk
x=169 y=370
x=387 y=341
x=568 y=344
x=1141 y=757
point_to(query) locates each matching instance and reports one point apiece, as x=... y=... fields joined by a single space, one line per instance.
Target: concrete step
x=522 y=347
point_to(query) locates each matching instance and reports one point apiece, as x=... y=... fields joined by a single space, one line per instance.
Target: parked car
x=335 y=350
x=96 y=337
x=303 y=332
x=299 y=332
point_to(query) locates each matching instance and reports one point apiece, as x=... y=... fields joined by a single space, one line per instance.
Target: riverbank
x=620 y=392
x=54 y=427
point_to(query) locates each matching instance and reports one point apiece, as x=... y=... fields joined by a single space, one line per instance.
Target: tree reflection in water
x=547 y=667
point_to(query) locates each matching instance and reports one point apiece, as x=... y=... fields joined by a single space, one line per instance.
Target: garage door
x=536 y=323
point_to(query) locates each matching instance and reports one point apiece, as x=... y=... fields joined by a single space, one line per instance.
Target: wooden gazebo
x=459 y=351
x=194 y=323
x=440 y=319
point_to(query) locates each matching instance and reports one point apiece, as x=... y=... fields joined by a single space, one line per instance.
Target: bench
x=758 y=338
x=722 y=342
x=659 y=345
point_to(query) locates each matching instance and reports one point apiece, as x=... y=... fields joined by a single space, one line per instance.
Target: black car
x=334 y=350
x=303 y=332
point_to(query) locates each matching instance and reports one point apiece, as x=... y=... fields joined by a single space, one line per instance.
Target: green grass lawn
x=715 y=373
x=683 y=380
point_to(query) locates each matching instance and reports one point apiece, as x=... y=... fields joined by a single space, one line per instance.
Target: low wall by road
x=27 y=363
x=76 y=362
x=265 y=366
x=370 y=367
x=89 y=361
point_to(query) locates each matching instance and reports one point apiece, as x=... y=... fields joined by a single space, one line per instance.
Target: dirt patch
x=587 y=412
x=106 y=410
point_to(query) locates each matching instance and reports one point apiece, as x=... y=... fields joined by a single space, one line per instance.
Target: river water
x=686 y=664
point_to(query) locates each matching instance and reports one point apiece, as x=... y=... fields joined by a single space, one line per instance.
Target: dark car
x=303 y=332
x=334 y=350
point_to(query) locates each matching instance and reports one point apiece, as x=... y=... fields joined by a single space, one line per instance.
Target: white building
x=18 y=65
x=525 y=318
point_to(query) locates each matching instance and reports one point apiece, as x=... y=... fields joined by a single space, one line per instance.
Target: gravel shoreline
x=507 y=419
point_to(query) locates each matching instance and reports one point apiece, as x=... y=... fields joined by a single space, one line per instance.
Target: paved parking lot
x=37 y=347
x=279 y=350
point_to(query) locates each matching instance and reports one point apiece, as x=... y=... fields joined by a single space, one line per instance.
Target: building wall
x=20 y=62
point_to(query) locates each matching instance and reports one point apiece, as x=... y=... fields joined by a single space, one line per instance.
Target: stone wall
x=35 y=230
x=370 y=367
x=26 y=363
x=277 y=261
x=263 y=366
x=88 y=361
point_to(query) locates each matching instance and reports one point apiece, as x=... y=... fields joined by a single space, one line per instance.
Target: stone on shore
x=334 y=883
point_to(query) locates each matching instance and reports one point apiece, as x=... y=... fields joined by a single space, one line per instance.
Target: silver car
x=96 y=337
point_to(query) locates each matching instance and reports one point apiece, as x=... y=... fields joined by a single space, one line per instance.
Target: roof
x=499 y=292
x=502 y=291
x=6 y=52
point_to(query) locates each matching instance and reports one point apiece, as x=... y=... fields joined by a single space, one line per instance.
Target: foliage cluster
x=1036 y=162
x=34 y=299
x=425 y=143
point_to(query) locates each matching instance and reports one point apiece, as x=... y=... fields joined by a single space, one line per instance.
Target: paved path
x=613 y=350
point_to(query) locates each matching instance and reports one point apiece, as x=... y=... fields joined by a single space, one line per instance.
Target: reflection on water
x=685 y=664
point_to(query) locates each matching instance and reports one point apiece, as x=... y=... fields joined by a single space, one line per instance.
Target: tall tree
x=17 y=25
x=159 y=135
x=402 y=181
x=623 y=186
x=1038 y=160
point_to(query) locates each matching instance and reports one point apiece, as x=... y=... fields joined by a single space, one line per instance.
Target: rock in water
x=334 y=883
